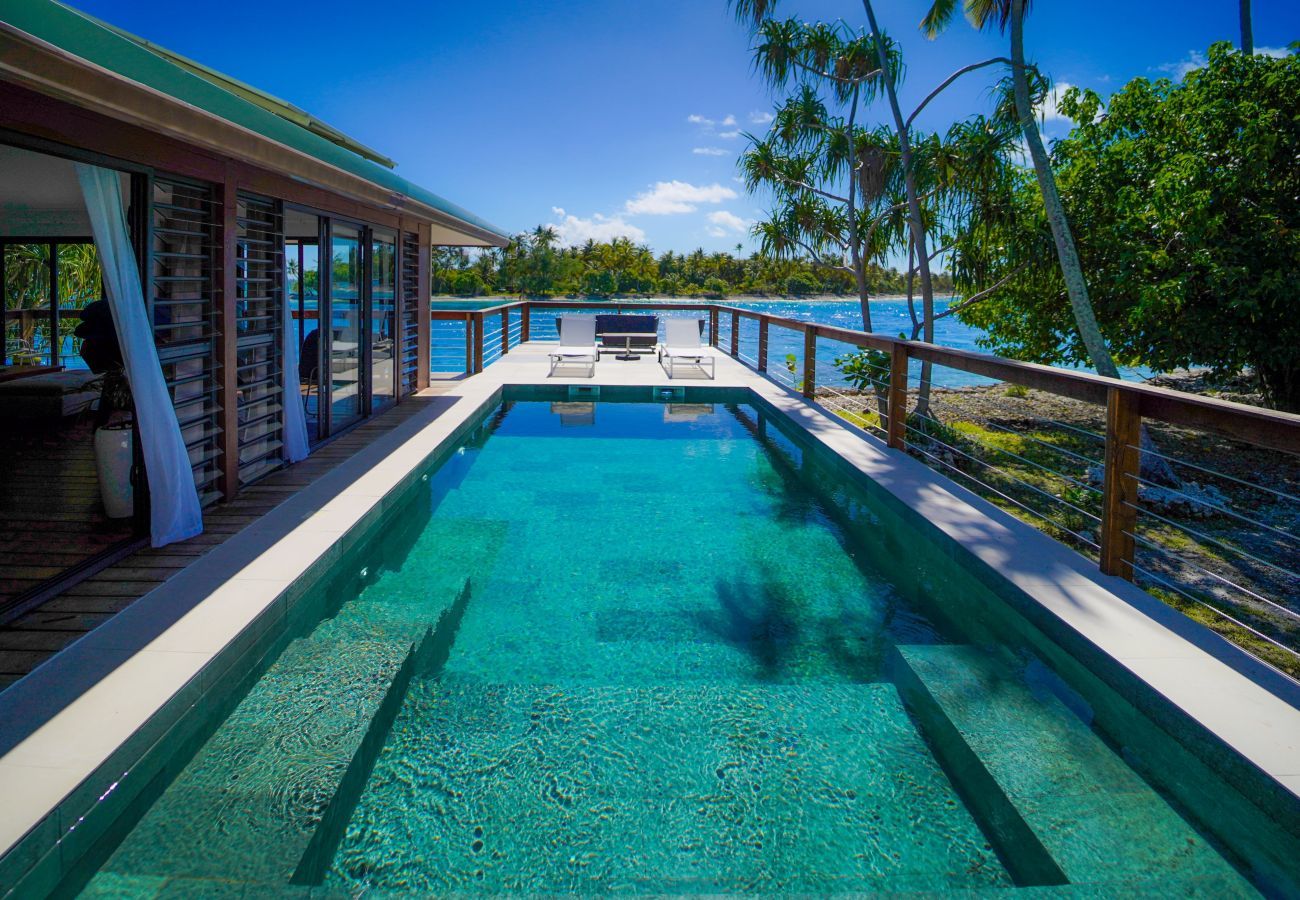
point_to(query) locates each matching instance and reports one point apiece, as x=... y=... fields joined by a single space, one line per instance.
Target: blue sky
x=622 y=116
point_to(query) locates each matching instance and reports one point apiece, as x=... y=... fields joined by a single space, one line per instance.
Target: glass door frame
x=327 y=220
x=298 y=313
x=325 y=304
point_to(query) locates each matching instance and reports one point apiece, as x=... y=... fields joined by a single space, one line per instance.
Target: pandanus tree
x=1009 y=17
x=853 y=67
x=823 y=169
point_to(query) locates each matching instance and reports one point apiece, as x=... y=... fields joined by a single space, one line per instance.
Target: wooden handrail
x=1266 y=428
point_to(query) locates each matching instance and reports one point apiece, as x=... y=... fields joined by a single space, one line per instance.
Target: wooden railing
x=1127 y=405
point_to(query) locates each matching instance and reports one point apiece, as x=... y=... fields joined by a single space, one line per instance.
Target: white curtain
x=295 y=415
x=173 y=499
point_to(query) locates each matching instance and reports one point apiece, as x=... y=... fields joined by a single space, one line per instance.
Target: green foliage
x=801 y=285
x=1019 y=391
x=534 y=265
x=1185 y=199
x=865 y=370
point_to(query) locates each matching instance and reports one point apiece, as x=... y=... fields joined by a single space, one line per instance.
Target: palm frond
x=938 y=18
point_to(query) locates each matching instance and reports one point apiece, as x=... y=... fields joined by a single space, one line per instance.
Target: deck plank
x=35 y=548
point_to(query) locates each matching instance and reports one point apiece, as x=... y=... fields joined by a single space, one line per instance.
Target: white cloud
x=697 y=119
x=727 y=221
x=1050 y=109
x=760 y=118
x=728 y=134
x=715 y=232
x=709 y=151
x=729 y=122
x=573 y=231
x=1195 y=60
x=670 y=197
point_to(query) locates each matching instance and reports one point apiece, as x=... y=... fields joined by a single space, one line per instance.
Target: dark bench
x=645 y=331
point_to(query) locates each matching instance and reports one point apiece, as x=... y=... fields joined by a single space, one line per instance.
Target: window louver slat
x=184 y=229
x=408 y=358
x=259 y=321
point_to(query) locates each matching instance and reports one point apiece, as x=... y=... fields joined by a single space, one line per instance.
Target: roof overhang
x=33 y=63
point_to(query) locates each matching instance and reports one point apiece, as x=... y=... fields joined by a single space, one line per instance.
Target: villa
x=310 y=587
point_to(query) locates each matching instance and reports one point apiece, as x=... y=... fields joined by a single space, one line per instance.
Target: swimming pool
x=659 y=647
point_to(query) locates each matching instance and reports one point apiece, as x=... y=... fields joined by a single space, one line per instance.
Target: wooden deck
x=51 y=517
x=32 y=638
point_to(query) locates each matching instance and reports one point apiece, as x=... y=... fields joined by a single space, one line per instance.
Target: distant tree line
x=534 y=265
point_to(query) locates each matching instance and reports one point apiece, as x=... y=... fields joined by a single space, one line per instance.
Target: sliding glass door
x=342 y=279
x=383 y=318
x=346 y=314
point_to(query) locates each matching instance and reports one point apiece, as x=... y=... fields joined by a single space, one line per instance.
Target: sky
x=626 y=117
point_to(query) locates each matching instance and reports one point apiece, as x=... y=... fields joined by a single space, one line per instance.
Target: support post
x=1120 y=482
x=505 y=331
x=762 y=344
x=735 y=335
x=227 y=339
x=810 y=361
x=713 y=326
x=525 y=324
x=478 y=342
x=469 y=343
x=897 y=425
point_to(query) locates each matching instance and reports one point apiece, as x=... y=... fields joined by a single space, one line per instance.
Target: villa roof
x=196 y=85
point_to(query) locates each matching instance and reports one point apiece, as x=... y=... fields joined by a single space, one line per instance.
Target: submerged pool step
x=1059 y=803
x=425 y=660
x=261 y=800
x=505 y=788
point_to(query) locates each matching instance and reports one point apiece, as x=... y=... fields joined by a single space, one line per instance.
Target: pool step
x=280 y=775
x=503 y=788
x=1059 y=804
x=424 y=660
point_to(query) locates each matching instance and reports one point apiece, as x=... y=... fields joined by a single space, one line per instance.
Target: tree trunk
x=924 y=327
x=1076 y=287
x=905 y=151
x=1281 y=386
x=1154 y=468
x=1247 y=31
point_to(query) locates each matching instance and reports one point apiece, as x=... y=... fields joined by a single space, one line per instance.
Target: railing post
x=505 y=331
x=897 y=425
x=735 y=335
x=713 y=326
x=810 y=361
x=762 y=344
x=469 y=343
x=1120 y=482
x=525 y=324
x=478 y=342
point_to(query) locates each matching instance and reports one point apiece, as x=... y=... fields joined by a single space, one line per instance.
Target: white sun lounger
x=682 y=345
x=577 y=344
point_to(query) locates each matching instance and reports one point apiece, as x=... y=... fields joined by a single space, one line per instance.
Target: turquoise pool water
x=658 y=647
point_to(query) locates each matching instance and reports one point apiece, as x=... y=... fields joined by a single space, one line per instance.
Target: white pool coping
x=95 y=695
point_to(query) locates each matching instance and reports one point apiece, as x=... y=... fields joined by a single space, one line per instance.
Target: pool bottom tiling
x=648 y=647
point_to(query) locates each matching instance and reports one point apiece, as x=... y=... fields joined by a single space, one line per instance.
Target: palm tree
x=1009 y=15
x=1247 y=33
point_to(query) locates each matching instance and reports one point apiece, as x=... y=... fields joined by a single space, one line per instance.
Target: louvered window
x=409 y=354
x=184 y=238
x=259 y=323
